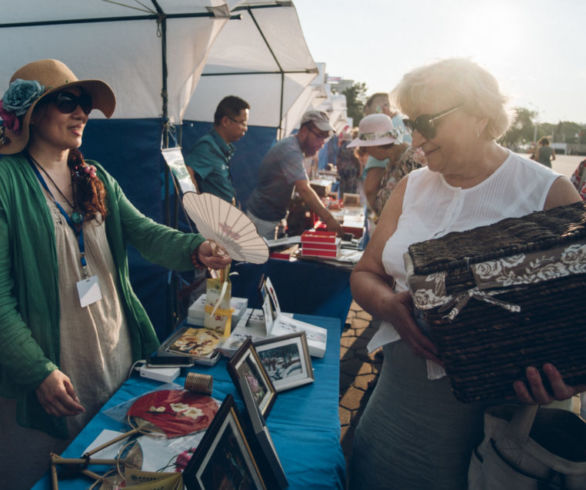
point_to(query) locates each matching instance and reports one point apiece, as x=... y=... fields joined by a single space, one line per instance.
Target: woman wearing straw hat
x=414 y=433
x=379 y=139
x=70 y=324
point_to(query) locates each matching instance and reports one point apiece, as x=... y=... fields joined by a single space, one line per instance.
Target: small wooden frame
x=246 y=364
x=223 y=458
x=287 y=361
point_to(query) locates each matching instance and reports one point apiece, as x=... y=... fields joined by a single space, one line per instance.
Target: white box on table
x=196 y=312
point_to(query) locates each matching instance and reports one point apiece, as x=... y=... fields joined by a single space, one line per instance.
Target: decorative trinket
x=76 y=217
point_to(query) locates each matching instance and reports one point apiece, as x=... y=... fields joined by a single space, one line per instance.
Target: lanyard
x=77 y=228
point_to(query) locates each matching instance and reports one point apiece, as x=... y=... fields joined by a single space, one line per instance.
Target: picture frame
x=277 y=323
x=270 y=303
x=223 y=458
x=264 y=449
x=246 y=364
x=286 y=360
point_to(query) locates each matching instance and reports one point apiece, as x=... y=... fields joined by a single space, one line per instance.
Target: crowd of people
x=71 y=325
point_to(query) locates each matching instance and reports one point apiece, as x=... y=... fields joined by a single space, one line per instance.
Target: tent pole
x=281 y=71
x=280 y=128
x=162 y=33
x=101 y=20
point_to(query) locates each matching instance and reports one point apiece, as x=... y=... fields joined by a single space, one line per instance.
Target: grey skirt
x=413 y=434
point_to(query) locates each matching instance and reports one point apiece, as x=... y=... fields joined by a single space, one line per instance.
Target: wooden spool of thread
x=199 y=383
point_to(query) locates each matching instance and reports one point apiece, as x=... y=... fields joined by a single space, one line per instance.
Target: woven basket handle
x=522 y=421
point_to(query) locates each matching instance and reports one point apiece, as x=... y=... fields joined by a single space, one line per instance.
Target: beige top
x=95 y=343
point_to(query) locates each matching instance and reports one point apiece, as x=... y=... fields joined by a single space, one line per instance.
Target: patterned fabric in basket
x=502 y=297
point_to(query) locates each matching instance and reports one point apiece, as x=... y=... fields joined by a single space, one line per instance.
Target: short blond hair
x=455 y=81
x=368 y=109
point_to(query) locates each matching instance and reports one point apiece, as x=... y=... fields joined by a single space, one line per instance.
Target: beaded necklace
x=76 y=216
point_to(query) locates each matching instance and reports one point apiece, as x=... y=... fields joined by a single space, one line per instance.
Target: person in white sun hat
x=379 y=138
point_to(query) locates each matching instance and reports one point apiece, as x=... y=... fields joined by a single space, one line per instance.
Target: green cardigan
x=29 y=296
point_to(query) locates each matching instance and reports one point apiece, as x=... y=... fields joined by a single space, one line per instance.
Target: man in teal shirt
x=209 y=160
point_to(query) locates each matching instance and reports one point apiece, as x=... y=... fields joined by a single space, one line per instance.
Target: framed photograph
x=246 y=365
x=223 y=459
x=286 y=360
x=270 y=304
x=264 y=449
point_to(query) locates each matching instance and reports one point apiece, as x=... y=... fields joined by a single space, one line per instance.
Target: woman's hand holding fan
x=227 y=226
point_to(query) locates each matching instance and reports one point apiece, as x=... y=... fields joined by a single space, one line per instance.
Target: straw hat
x=376 y=130
x=51 y=76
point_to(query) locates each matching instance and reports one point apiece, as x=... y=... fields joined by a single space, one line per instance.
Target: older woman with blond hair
x=414 y=433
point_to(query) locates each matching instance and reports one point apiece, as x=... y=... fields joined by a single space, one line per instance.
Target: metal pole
x=162 y=33
x=281 y=71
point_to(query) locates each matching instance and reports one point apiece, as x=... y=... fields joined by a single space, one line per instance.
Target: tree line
x=525 y=130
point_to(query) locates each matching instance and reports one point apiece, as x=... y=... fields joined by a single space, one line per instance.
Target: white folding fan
x=226 y=225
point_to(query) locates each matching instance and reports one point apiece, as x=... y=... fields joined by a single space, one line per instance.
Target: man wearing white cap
x=282 y=171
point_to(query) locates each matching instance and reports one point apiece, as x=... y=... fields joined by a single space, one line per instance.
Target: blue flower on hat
x=20 y=96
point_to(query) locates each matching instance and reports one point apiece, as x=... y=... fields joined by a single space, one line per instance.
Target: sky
x=535 y=48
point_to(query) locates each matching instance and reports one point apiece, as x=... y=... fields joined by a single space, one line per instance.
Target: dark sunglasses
x=66 y=102
x=425 y=123
x=320 y=134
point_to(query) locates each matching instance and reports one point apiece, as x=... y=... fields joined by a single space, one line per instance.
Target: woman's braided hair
x=90 y=192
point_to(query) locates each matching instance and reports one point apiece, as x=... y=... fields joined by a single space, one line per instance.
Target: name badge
x=89 y=291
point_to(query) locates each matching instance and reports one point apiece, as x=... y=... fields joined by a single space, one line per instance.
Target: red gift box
x=314 y=252
x=318 y=237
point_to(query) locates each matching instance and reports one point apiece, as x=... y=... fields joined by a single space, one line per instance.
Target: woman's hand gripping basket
x=503 y=297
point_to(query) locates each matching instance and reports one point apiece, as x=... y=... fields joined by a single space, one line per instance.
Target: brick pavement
x=358 y=372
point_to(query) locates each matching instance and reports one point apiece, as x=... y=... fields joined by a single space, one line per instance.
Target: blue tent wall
x=130 y=150
x=250 y=150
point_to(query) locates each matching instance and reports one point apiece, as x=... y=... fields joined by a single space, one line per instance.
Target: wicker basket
x=503 y=297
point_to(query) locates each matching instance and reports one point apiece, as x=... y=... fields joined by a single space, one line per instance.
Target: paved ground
x=358 y=372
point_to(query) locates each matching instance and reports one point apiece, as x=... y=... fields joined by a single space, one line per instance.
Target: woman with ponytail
x=70 y=323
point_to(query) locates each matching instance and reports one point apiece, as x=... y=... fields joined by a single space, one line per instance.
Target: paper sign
x=176 y=164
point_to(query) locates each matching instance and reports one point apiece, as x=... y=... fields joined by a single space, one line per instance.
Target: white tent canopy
x=154 y=47
x=324 y=99
x=270 y=70
x=120 y=43
x=152 y=53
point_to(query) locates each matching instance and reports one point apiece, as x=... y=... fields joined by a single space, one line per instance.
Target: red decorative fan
x=172 y=413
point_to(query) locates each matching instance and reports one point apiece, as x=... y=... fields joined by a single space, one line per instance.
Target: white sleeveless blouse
x=432 y=208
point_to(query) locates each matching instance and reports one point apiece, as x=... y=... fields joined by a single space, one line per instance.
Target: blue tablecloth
x=303 y=422
x=310 y=288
